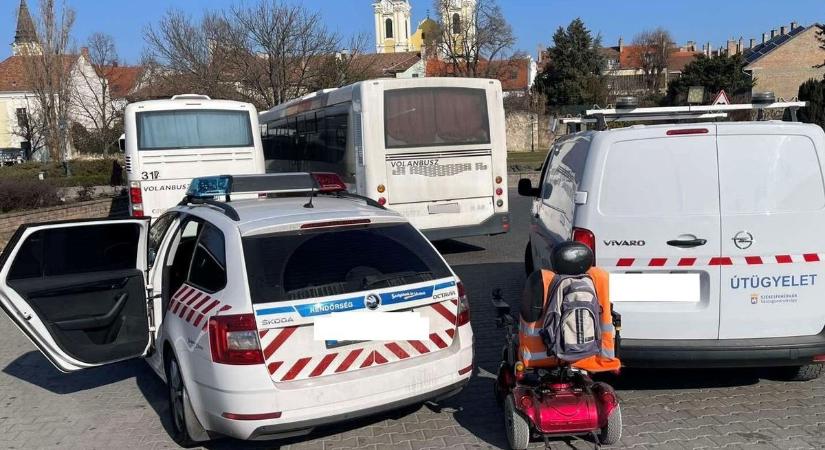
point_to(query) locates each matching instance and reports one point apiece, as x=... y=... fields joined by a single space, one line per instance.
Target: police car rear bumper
x=304 y=427
x=762 y=352
x=496 y=224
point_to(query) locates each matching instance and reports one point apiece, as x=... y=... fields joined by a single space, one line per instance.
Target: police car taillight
x=329 y=182
x=463 y=316
x=135 y=199
x=234 y=340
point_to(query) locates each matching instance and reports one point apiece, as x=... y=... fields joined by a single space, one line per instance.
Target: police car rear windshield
x=292 y=266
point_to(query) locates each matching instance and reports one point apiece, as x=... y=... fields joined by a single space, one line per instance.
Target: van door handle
x=687 y=243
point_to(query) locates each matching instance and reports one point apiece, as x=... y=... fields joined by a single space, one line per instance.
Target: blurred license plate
x=655 y=287
x=446 y=208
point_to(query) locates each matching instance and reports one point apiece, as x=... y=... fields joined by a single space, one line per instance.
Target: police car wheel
x=177 y=404
x=515 y=425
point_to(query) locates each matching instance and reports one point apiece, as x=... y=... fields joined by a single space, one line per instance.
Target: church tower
x=460 y=17
x=392 y=26
x=25 y=38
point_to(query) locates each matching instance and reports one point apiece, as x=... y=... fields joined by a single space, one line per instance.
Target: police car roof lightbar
x=207 y=190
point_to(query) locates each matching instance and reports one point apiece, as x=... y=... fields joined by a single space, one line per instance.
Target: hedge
x=96 y=172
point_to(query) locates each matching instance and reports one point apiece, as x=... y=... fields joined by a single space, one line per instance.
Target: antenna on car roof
x=309 y=203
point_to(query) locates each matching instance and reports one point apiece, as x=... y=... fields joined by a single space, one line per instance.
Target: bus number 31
x=153 y=175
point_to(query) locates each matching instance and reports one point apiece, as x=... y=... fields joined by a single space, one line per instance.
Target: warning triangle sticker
x=721 y=98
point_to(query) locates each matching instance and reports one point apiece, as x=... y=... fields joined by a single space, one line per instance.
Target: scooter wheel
x=612 y=432
x=516 y=426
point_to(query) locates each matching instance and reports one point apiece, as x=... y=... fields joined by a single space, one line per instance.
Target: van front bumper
x=686 y=353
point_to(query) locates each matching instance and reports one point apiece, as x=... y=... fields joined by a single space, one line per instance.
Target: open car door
x=78 y=290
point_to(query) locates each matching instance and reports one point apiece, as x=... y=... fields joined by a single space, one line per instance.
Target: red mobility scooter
x=567 y=330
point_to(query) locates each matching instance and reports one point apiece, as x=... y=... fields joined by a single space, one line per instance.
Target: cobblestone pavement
x=124 y=406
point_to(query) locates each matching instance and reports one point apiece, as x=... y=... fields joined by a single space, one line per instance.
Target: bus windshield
x=422 y=117
x=186 y=129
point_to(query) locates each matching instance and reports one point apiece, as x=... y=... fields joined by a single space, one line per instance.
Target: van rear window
x=769 y=173
x=292 y=266
x=660 y=177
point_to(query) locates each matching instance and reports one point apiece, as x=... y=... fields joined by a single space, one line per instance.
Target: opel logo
x=372 y=301
x=743 y=240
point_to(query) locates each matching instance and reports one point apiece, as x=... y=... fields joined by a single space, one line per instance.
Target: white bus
x=432 y=149
x=169 y=142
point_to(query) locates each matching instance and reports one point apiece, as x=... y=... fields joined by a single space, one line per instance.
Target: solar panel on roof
x=763 y=49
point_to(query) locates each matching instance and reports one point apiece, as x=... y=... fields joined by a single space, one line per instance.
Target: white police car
x=224 y=300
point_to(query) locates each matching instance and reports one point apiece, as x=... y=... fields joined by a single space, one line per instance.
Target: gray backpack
x=572 y=326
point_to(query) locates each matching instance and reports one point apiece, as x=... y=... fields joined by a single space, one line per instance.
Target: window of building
x=22 y=117
x=388 y=28
x=456 y=23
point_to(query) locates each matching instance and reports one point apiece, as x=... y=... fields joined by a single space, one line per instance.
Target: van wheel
x=516 y=426
x=807 y=372
x=179 y=408
x=529 y=267
x=612 y=432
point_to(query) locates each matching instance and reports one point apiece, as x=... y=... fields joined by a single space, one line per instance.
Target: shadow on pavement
x=452 y=246
x=34 y=368
x=676 y=379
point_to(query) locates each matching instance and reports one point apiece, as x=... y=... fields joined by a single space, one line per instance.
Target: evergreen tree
x=574 y=73
x=715 y=74
x=813 y=91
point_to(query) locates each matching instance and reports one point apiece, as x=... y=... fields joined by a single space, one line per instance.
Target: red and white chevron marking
x=716 y=261
x=287 y=366
x=193 y=306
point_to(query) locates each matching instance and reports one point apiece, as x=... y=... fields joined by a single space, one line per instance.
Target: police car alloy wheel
x=177 y=405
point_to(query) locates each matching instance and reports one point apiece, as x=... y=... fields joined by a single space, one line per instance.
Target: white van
x=739 y=204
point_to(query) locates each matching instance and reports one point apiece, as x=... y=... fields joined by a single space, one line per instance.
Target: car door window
x=115 y=249
x=156 y=234
x=208 y=269
x=181 y=258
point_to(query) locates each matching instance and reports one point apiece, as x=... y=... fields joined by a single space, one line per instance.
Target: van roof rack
x=604 y=116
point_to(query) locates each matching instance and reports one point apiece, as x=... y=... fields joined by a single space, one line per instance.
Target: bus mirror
x=121 y=144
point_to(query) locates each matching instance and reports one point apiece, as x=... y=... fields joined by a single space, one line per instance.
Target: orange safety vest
x=533 y=352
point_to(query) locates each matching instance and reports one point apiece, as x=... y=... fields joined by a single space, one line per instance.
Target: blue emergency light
x=275 y=183
x=209 y=187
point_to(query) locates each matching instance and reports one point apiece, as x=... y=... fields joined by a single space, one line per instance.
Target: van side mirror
x=121 y=144
x=526 y=189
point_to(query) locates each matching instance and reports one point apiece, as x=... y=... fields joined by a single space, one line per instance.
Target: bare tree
x=654 y=48
x=473 y=36
x=181 y=57
x=48 y=70
x=265 y=53
x=281 y=50
x=93 y=101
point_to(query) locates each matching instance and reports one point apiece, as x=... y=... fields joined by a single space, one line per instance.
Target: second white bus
x=432 y=149
x=169 y=142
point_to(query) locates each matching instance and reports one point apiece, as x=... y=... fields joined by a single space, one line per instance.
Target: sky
x=533 y=21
